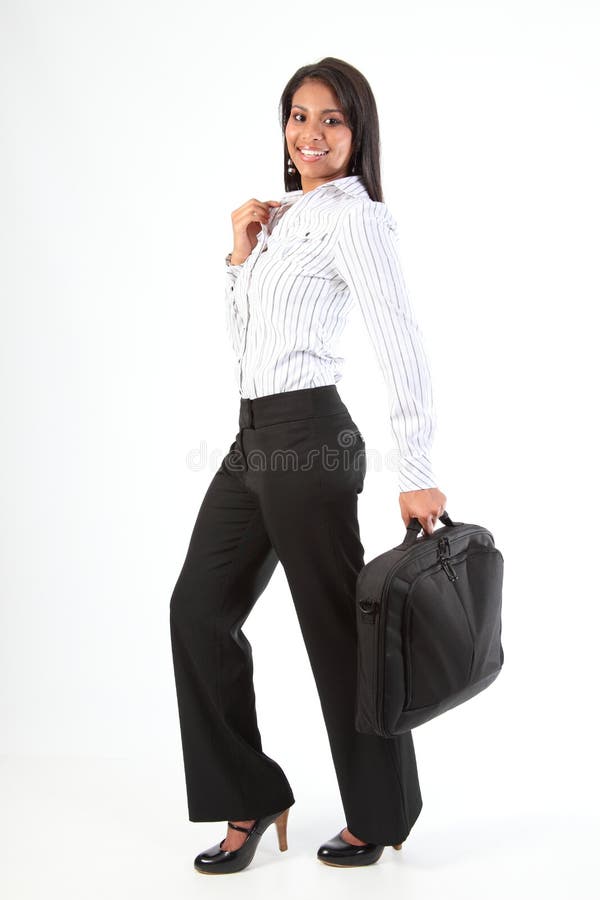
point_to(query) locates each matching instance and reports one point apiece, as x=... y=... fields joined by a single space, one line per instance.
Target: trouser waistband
x=289 y=405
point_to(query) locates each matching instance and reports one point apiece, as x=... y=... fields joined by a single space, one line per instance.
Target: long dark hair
x=358 y=104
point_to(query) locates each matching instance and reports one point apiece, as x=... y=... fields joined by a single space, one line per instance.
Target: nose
x=311 y=142
x=309 y=137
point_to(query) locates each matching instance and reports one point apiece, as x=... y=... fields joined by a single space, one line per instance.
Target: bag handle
x=414 y=527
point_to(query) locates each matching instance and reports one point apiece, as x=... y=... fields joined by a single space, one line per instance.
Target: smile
x=312 y=154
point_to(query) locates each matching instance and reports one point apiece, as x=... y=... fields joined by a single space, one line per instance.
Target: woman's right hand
x=246 y=222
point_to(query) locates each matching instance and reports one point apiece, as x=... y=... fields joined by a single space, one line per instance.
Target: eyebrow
x=297 y=105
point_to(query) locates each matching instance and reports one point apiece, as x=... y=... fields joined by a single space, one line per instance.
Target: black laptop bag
x=429 y=626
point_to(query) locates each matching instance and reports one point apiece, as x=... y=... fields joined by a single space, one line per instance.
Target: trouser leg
x=311 y=518
x=228 y=564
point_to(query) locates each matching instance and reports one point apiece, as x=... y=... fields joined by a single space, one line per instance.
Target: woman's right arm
x=246 y=223
x=233 y=319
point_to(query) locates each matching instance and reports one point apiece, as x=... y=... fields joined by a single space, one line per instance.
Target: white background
x=129 y=132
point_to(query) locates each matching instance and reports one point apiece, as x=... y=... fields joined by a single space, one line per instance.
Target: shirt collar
x=349 y=184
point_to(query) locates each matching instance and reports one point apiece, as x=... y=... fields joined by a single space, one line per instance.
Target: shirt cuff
x=415 y=473
x=231 y=274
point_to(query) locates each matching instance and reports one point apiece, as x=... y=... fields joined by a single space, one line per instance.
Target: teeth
x=313 y=152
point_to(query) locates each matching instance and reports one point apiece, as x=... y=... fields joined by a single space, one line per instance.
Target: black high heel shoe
x=338 y=852
x=214 y=860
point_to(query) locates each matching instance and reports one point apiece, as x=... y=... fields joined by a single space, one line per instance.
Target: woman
x=297 y=267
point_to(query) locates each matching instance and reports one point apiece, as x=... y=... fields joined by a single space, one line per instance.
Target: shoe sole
x=348 y=865
x=214 y=872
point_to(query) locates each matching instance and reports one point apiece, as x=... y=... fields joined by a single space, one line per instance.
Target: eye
x=329 y=118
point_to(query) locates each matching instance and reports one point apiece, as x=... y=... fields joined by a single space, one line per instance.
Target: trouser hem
x=239 y=814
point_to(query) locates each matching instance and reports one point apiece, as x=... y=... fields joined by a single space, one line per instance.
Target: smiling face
x=317 y=123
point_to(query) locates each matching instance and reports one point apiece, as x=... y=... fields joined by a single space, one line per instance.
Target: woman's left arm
x=367 y=259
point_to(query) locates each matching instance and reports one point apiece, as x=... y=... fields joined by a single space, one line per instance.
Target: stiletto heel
x=281 y=825
x=396 y=846
x=216 y=860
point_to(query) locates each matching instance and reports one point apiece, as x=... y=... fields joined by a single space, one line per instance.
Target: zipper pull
x=443 y=547
x=444 y=558
x=449 y=569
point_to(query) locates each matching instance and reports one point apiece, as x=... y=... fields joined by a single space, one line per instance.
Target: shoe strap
x=240 y=827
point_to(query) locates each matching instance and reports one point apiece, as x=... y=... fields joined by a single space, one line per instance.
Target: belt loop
x=247 y=413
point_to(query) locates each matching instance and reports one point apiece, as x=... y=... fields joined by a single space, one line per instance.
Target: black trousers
x=286 y=492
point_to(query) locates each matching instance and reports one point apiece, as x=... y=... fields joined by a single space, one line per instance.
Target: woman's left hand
x=426 y=505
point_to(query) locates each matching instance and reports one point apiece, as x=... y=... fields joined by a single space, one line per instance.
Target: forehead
x=315 y=95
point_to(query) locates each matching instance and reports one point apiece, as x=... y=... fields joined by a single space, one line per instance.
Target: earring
x=290 y=167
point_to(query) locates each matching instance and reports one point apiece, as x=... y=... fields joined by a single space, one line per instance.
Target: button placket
x=257 y=254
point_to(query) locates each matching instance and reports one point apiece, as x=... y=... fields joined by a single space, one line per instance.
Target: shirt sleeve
x=367 y=259
x=233 y=319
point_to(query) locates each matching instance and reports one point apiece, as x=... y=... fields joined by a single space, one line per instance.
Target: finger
x=259 y=215
x=267 y=209
x=267 y=204
x=259 y=211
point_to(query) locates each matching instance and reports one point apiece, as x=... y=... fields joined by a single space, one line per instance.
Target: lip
x=310 y=159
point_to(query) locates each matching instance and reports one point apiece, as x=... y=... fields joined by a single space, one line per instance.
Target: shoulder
x=366 y=217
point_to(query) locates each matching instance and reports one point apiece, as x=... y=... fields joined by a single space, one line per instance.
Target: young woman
x=287 y=489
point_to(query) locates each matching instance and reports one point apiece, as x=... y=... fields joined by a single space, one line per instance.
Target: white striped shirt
x=287 y=309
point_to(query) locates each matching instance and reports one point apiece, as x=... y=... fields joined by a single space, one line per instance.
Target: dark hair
x=356 y=99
